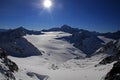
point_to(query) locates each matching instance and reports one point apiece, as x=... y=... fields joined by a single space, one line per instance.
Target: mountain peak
x=69 y=29
x=21 y=28
x=66 y=27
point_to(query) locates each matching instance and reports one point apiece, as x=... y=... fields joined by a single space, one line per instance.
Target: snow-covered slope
x=54 y=49
x=105 y=39
x=35 y=67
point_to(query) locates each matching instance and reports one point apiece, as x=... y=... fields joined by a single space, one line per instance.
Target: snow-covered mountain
x=58 y=54
x=86 y=41
x=112 y=49
x=21 y=42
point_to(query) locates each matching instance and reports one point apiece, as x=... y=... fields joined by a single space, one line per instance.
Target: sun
x=47 y=3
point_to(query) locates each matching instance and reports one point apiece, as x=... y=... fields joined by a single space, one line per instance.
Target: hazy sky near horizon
x=94 y=15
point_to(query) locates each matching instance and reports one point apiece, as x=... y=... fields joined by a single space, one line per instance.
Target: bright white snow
x=71 y=70
x=106 y=40
x=54 y=49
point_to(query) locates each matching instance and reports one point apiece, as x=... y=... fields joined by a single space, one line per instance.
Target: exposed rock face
x=16 y=33
x=40 y=77
x=86 y=41
x=7 y=67
x=114 y=50
x=114 y=74
x=108 y=48
x=14 y=42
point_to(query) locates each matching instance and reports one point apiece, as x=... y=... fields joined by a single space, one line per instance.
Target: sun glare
x=47 y=3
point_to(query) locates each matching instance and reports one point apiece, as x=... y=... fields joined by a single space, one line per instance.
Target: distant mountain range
x=64 y=28
x=3 y=30
x=86 y=41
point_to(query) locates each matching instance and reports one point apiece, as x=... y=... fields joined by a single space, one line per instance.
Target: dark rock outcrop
x=114 y=50
x=40 y=77
x=86 y=41
x=7 y=67
x=114 y=73
x=15 y=44
x=12 y=34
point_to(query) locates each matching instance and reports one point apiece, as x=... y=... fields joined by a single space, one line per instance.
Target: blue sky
x=94 y=15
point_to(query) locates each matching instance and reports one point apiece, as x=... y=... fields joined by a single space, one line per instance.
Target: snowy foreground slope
x=58 y=61
x=36 y=68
